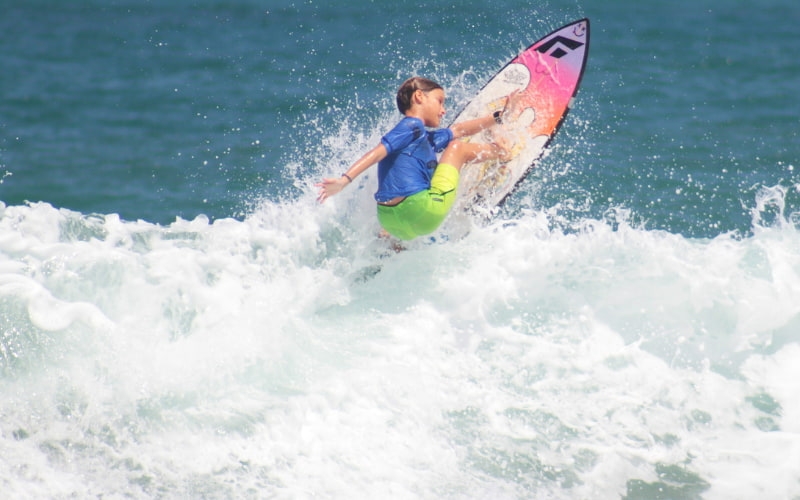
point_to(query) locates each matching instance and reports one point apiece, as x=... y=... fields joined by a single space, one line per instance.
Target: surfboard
x=548 y=73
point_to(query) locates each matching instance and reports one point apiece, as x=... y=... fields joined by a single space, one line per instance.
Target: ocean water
x=179 y=318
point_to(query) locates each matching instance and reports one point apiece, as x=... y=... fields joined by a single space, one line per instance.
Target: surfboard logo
x=516 y=74
x=560 y=46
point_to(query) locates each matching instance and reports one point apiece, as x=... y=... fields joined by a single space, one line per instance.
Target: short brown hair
x=407 y=89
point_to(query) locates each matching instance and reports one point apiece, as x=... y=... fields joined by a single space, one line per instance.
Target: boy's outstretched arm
x=472 y=127
x=330 y=187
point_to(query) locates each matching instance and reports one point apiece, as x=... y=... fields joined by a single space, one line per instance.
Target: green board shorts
x=423 y=212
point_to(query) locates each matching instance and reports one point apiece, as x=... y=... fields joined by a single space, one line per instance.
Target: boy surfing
x=415 y=190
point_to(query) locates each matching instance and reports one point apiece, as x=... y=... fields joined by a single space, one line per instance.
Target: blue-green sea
x=179 y=317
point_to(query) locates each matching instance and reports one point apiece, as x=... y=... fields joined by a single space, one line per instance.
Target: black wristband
x=348 y=178
x=498 y=116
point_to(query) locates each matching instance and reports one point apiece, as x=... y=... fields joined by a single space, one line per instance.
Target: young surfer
x=415 y=191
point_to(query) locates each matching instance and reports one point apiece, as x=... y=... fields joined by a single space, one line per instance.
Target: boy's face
x=433 y=107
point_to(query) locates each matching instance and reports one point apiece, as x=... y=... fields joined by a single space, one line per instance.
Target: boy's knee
x=457 y=153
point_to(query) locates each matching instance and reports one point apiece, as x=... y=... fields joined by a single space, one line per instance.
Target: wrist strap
x=348 y=177
x=498 y=116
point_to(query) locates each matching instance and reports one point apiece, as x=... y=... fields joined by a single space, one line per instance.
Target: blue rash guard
x=411 y=159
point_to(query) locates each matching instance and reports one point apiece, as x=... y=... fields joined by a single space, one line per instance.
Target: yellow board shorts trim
x=422 y=213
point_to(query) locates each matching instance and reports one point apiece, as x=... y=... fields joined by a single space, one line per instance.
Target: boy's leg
x=459 y=153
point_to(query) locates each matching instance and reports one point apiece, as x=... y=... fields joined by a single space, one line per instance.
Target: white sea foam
x=292 y=355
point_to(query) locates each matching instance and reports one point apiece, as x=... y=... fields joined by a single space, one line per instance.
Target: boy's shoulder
x=412 y=121
x=409 y=125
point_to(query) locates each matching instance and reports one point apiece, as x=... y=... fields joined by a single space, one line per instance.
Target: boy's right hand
x=330 y=187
